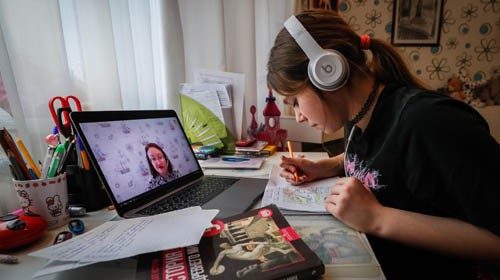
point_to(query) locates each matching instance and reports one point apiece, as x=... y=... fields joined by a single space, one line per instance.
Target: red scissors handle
x=76 y=101
x=61 y=115
x=53 y=109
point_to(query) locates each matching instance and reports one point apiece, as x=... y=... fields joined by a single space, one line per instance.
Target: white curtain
x=126 y=54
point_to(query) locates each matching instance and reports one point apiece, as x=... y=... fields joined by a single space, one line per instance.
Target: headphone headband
x=305 y=41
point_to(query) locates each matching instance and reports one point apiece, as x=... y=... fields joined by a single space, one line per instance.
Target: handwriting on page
x=125 y=238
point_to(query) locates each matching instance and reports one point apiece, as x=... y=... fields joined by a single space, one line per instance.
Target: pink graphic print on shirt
x=357 y=168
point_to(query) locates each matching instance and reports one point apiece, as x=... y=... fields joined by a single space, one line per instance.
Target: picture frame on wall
x=301 y=5
x=416 y=22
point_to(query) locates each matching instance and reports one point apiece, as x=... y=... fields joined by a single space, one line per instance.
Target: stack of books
x=257 y=149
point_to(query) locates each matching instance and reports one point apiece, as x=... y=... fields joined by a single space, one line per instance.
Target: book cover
x=344 y=251
x=258 y=244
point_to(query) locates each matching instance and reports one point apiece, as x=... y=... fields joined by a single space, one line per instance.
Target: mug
x=45 y=197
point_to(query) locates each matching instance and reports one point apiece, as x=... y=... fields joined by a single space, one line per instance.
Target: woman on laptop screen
x=159 y=165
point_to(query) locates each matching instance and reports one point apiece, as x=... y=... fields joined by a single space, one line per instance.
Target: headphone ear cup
x=329 y=71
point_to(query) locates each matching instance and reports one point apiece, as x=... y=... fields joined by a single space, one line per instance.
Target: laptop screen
x=139 y=156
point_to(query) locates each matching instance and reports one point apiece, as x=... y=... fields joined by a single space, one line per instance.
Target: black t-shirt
x=430 y=154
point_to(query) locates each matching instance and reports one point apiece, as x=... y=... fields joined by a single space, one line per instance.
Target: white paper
x=237 y=81
x=307 y=197
x=224 y=94
x=210 y=100
x=125 y=238
x=223 y=91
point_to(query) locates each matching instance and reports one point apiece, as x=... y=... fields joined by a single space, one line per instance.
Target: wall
x=470 y=37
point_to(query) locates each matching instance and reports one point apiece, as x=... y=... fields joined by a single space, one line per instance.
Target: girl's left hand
x=353 y=204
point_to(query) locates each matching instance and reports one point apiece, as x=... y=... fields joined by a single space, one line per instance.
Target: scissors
x=60 y=115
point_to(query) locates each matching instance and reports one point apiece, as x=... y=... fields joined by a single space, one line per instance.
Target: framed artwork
x=301 y=5
x=416 y=22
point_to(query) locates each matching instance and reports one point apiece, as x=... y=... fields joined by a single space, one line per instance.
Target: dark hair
x=287 y=65
x=152 y=169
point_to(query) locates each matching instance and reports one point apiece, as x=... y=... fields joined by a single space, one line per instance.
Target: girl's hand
x=353 y=204
x=305 y=169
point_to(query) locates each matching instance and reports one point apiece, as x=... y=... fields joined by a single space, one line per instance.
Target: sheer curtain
x=126 y=54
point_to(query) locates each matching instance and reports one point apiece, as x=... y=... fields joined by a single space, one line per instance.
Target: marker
x=83 y=154
x=27 y=156
x=64 y=161
x=58 y=154
x=290 y=151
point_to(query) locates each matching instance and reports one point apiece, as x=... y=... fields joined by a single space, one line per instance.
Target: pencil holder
x=45 y=197
x=85 y=189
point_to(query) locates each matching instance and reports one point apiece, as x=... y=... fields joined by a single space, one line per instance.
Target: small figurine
x=252 y=130
x=272 y=133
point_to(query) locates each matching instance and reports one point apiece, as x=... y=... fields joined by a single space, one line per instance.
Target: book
x=308 y=198
x=258 y=244
x=345 y=252
x=256 y=147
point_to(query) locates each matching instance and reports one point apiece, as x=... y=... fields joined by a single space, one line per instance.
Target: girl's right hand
x=305 y=169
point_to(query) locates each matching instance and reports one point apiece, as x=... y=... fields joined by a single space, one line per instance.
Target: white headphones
x=328 y=69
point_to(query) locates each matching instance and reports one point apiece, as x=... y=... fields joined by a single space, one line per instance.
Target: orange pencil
x=27 y=157
x=290 y=151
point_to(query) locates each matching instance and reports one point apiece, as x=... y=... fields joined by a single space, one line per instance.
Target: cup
x=45 y=197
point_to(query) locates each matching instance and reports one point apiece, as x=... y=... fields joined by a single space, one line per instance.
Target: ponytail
x=389 y=67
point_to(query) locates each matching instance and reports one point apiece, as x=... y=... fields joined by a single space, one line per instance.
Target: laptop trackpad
x=238 y=198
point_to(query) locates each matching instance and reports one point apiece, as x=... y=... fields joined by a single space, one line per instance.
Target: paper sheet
x=223 y=91
x=237 y=81
x=210 y=100
x=308 y=197
x=125 y=238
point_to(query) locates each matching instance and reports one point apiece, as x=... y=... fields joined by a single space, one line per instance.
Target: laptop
x=116 y=144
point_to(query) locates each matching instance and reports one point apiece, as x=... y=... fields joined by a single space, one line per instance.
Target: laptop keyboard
x=196 y=194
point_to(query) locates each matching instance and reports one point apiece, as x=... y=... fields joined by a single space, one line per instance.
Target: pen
x=32 y=174
x=27 y=156
x=295 y=176
x=58 y=154
x=46 y=161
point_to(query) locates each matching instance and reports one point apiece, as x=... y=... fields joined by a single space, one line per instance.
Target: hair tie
x=365 y=42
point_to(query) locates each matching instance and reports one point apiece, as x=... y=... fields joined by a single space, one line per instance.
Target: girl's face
x=158 y=161
x=321 y=113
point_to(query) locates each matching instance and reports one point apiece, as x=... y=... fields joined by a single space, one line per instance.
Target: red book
x=258 y=244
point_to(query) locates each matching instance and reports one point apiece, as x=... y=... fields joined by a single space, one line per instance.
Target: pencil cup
x=45 y=197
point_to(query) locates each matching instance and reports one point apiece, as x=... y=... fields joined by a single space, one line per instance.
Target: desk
x=119 y=269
